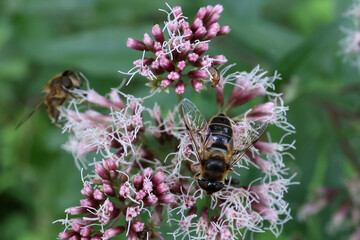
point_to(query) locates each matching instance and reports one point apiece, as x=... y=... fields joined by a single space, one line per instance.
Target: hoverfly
x=57 y=90
x=216 y=150
x=215 y=76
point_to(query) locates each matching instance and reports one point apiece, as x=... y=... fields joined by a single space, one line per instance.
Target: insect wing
x=195 y=124
x=245 y=135
x=30 y=114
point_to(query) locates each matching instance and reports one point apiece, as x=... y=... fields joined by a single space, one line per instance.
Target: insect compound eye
x=218 y=186
x=210 y=187
x=66 y=82
x=203 y=184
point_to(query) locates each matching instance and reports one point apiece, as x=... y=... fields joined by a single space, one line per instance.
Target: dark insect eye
x=66 y=82
x=218 y=186
x=203 y=184
x=210 y=187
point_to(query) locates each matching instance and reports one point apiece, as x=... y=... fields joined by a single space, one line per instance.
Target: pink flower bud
x=166 y=64
x=174 y=75
x=147 y=173
x=161 y=188
x=149 y=43
x=311 y=208
x=140 y=195
x=158 y=178
x=181 y=65
x=219 y=89
x=224 y=30
x=263 y=112
x=76 y=210
x=193 y=57
x=180 y=87
x=165 y=83
x=198 y=74
x=138 y=180
x=212 y=31
x=135 y=44
x=143 y=62
x=99 y=195
x=147 y=185
x=219 y=59
x=157 y=33
x=244 y=92
x=108 y=189
x=95 y=98
x=124 y=190
x=198 y=23
x=201 y=13
x=266 y=147
x=88 y=203
x=150 y=200
x=101 y=171
x=199 y=33
x=76 y=227
x=167 y=198
x=340 y=214
x=201 y=48
x=137 y=226
x=262 y=192
x=66 y=235
x=86 y=231
x=113 y=232
x=132 y=212
x=215 y=15
x=87 y=191
x=269 y=214
x=217 y=9
x=197 y=85
x=264 y=165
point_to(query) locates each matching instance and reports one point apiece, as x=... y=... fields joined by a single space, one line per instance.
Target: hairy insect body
x=57 y=91
x=214 y=145
x=214 y=166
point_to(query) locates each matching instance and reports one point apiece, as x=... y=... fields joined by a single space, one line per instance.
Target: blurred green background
x=40 y=38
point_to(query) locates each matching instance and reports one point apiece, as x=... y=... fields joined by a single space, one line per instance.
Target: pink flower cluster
x=139 y=160
x=347 y=213
x=112 y=196
x=180 y=46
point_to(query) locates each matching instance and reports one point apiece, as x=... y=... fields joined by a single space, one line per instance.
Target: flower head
x=178 y=50
x=144 y=162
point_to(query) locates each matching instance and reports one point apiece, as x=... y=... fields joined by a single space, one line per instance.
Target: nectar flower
x=178 y=51
x=141 y=160
x=347 y=212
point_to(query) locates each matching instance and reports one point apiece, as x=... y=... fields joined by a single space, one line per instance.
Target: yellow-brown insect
x=57 y=90
x=214 y=146
x=215 y=76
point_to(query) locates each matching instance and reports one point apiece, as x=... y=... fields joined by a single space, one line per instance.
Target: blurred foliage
x=41 y=38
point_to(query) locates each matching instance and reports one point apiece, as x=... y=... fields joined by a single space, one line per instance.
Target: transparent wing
x=195 y=124
x=245 y=134
x=30 y=114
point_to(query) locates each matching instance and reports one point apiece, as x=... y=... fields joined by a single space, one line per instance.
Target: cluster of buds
x=111 y=196
x=179 y=50
x=347 y=213
x=142 y=158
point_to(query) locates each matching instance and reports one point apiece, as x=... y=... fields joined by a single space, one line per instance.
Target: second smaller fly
x=57 y=90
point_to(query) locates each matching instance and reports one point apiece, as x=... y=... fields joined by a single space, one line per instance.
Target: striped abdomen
x=221 y=132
